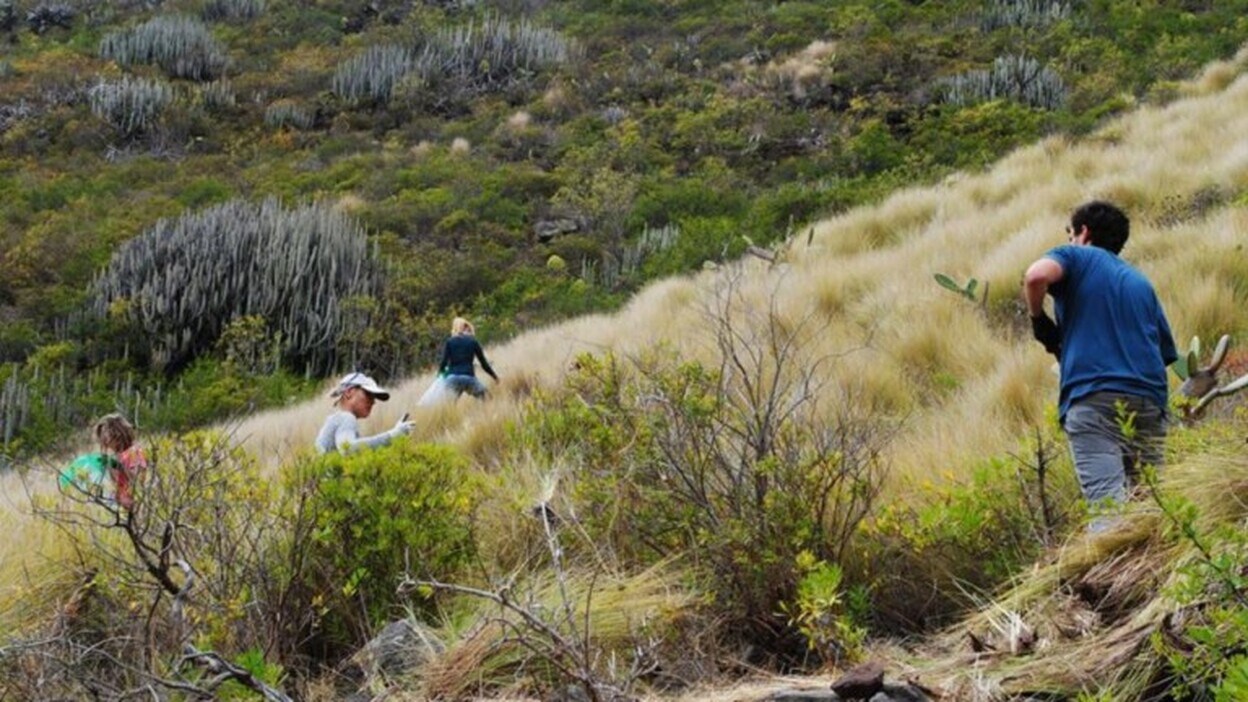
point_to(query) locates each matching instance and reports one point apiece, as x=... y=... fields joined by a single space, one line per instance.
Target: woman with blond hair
x=354 y=397
x=457 y=368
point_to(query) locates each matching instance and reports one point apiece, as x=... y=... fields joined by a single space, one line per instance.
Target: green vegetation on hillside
x=476 y=141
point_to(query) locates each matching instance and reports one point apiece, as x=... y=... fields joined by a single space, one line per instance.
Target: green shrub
x=381 y=515
x=681 y=458
x=920 y=559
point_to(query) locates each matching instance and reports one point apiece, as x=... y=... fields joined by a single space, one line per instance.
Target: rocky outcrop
x=865 y=682
x=398 y=651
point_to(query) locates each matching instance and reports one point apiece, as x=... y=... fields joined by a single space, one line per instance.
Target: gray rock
x=399 y=650
x=861 y=682
x=548 y=229
x=900 y=693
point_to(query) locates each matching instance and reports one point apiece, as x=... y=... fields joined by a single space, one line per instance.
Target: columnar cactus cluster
x=8 y=16
x=611 y=270
x=372 y=74
x=1024 y=13
x=1018 y=78
x=218 y=96
x=14 y=410
x=285 y=113
x=51 y=399
x=182 y=46
x=490 y=53
x=131 y=105
x=219 y=10
x=185 y=279
x=474 y=58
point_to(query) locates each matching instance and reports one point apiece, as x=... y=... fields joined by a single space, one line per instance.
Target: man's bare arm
x=1036 y=281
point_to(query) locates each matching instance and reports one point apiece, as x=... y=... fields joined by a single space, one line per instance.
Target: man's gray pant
x=1107 y=459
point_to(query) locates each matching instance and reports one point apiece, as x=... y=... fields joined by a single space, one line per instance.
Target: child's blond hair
x=459 y=325
x=114 y=433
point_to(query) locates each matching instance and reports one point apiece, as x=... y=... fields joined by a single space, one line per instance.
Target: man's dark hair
x=1107 y=224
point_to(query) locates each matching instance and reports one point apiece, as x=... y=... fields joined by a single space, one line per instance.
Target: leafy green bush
x=381 y=515
x=684 y=471
x=919 y=560
x=739 y=465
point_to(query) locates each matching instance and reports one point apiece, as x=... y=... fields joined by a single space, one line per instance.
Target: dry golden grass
x=870 y=271
x=967 y=386
x=621 y=610
x=1095 y=603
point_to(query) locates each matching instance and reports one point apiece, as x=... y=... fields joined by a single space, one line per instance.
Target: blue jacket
x=1115 y=336
x=457 y=356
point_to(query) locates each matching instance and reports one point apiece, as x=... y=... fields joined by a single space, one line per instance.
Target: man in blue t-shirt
x=1113 y=342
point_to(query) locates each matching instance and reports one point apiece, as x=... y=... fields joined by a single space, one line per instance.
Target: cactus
x=285 y=113
x=8 y=16
x=131 y=105
x=1024 y=13
x=1011 y=77
x=64 y=400
x=218 y=96
x=492 y=55
x=969 y=291
x=224 y=10
x=186 y=279
x=49 y=15
x=182 y=47
x=373 y=74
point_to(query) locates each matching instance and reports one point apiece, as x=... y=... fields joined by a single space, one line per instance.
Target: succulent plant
x=186 y=279
x=131 y=105
x=182 y=46
x=476 y=58
x=1011 y=77
x=217 y=10
x=1024 y=13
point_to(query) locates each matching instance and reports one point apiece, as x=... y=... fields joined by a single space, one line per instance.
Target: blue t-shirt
x=1115 y=336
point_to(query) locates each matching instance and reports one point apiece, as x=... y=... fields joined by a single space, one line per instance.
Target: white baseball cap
x=359 y=380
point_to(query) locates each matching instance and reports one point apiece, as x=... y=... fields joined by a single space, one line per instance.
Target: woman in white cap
x=354 y=397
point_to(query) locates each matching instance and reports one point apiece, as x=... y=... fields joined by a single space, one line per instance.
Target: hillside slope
x=969 y=380
x=961 y=380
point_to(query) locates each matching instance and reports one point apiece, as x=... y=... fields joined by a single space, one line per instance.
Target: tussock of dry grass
x=1093 y=606
x=622 y=610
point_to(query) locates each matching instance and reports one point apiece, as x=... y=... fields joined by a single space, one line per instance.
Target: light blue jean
x=466 y=384
x=1107 y=460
